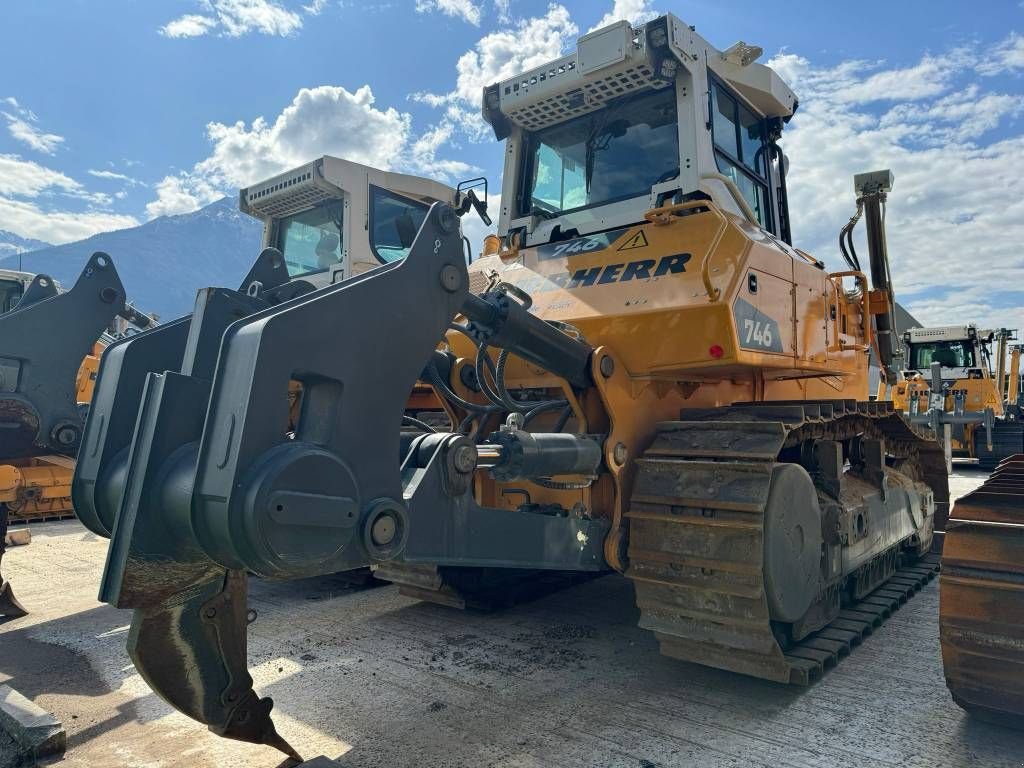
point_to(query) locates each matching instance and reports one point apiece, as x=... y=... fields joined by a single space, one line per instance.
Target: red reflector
x=716 y=351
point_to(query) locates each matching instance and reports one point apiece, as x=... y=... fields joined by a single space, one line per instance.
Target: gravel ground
x=376 y=679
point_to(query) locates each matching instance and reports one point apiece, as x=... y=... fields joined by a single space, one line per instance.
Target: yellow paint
x=673 y=336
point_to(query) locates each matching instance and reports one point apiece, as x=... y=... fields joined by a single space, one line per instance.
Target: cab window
x=615 y=153
x=10 y=294
x=311 y=241
x=741 y=146
x=394 y=221
x=948 y=354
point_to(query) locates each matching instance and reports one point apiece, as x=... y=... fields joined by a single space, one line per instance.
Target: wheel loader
x=50 y=341
x=643 y=375
x=956 y=383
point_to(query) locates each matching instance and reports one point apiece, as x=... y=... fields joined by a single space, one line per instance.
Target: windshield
x=311 y=241
x=10 y=294
x=948 y=354
x=613 y=154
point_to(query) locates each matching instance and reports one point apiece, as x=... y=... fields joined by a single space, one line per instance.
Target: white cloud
x=239 y=17
x=26 y=178
x=466 y=10
x=114 y=176
x=28 y=219
x=633 y=11
x=503 y=9
x=952 y=243
x=27 y=133
x=29 y=193
x=500 y=55
x=315 y=8
x=235 y=18
x=1007 y=56
x=497 y=56
x=22 y=125
x=181 y=194
x=326 y=120
x=424 y=149
x=323 y=120
x=189 y=25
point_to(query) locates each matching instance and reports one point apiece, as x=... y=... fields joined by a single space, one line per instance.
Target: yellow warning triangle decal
x=639 y=240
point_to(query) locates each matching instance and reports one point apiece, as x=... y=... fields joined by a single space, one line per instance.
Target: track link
x=697 y=538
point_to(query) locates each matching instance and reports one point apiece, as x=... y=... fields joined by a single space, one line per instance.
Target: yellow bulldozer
x=641 y=375
x=958 y=381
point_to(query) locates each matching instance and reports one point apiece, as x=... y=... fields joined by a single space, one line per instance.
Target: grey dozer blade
x=214 y=487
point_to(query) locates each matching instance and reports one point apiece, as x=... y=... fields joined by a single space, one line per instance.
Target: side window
x=311 y=241
x=740 y=151
x=559 y=183
x=394 y=220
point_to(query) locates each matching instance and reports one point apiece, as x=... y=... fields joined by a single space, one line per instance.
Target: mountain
x=12 y=244
x=163 y=262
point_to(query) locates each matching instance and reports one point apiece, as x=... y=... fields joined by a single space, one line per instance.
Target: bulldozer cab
x=634 y=119
x=960 y=351
x=333 y=218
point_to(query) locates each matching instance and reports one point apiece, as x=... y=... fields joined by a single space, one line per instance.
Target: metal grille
x=589 y=97
x=285 y=195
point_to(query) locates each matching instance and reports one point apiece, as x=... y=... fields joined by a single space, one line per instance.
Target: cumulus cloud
x=235 y=18
x=326 y=120
x=466 y=10
x=633 y=11
x=22 y=124
x=952 y=242
x=183 y=193
x=499 y=55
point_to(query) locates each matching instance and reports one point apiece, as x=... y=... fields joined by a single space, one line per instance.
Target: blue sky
x=113 y=111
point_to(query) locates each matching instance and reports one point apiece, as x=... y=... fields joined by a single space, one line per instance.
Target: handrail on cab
x=862 y=282
x=664 y=215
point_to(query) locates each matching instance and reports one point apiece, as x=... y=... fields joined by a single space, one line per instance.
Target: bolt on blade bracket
x=358 y=348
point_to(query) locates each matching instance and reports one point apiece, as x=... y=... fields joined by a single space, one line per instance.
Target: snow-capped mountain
x=163 y=262
x=12 y=244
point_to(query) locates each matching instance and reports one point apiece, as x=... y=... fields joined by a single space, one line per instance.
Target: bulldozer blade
x=191 y=650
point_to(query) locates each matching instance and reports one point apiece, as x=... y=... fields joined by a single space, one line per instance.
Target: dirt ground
x=375 y=679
